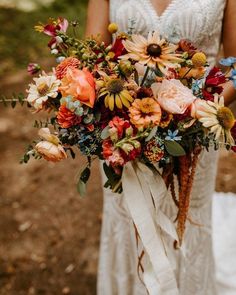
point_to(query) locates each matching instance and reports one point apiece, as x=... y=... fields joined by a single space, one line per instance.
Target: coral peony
x=145 y=112
x=69 y=62
x=80 y=85
x=173 y=96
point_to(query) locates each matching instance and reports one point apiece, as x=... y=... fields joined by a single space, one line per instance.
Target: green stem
x=145 y=76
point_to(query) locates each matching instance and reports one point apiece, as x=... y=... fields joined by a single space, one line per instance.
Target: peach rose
x=197 y=105
x=80 y=85
x=50 y=148
x=173 y=96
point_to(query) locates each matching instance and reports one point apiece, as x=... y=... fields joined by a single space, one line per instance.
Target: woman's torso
x=197 y=20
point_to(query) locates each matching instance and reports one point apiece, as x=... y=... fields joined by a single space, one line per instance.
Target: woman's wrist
x=229 y=93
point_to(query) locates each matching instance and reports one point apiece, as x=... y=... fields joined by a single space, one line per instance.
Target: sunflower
x=115 y=93
x=153 y=51
x=218 y=118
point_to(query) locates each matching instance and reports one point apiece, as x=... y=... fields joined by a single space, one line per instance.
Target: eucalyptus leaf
x=81 y=188
x=151 y=134
x=174 y=148
x=105 y=133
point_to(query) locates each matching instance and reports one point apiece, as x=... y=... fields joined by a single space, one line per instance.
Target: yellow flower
x=218 y=118
x=199 y=59
x=115 y=93
x=153 y=51
x=112 y=28
x=145 y=113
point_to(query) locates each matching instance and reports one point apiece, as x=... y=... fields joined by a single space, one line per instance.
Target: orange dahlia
x=145 y=112
x=69 y=62
x=67 y=118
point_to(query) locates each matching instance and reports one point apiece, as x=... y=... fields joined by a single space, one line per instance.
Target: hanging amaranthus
x=187 y=169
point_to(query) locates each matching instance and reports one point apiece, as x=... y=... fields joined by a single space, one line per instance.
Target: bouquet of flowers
x=137 y=99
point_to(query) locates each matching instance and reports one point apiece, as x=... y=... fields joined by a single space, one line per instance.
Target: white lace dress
x=201 y=22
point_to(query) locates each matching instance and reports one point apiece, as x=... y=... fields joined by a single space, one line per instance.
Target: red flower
x=213 y=83
x=120 y=125
x=66 y=118
x=51 y=29
x=118 y=48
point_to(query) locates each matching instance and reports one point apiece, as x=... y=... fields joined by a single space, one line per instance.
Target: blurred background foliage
x=19 y=43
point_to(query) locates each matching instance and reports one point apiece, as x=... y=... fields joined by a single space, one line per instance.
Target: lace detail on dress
x=201 y=22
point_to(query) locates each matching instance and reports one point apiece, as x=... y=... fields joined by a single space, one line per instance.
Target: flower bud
x=129 y=131
x=127 y=147
x=199 y=59
x=125 y=67
x=113 y=28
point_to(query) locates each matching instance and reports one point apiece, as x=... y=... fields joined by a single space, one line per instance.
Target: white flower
x=217 y=118
x=45 y=86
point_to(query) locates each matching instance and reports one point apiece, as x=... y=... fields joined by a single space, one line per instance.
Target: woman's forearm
x=229 y=93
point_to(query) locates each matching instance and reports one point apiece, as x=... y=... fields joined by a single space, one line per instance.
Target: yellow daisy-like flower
x=153 y=51
x=115 y=93
x=218 y=118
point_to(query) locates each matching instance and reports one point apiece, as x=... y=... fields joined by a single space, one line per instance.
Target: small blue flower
x=172 y=136
x=228 y=62
x=197 y=86
x=233 y=77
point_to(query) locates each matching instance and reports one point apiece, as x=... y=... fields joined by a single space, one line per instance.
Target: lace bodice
x=201 y=22
x=197 y=20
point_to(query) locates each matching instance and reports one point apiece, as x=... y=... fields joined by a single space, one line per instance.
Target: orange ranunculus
x=80 y=85
x=67 y=118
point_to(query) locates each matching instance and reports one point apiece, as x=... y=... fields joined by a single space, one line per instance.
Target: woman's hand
x=229 y=43
x=98 y=19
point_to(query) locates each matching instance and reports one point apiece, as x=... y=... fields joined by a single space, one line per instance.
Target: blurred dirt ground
x=49 y=236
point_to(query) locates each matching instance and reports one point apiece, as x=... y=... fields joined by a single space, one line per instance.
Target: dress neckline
x=158 y=15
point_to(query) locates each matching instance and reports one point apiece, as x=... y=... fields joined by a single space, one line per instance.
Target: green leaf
x=174 y=148
x=84 y=176
x=81 y=188
x=13 y=104
x=105 y=133
x=151 y=134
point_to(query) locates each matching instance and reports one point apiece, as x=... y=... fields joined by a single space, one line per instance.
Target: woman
x=206 y=23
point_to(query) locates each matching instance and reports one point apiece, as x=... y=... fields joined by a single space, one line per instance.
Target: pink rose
x=50 y=148
x=173 y=96
x=80 y=85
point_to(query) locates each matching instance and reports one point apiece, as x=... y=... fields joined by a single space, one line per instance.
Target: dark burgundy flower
x=187 y=46
x=181 y=117
x=213 y=83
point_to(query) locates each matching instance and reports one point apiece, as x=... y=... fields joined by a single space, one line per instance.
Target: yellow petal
x=111 y=102
x=118 y=102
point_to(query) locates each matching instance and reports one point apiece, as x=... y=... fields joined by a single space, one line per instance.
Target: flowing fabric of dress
x=201 y=22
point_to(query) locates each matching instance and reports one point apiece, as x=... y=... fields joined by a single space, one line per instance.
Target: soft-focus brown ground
x=49 y=236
